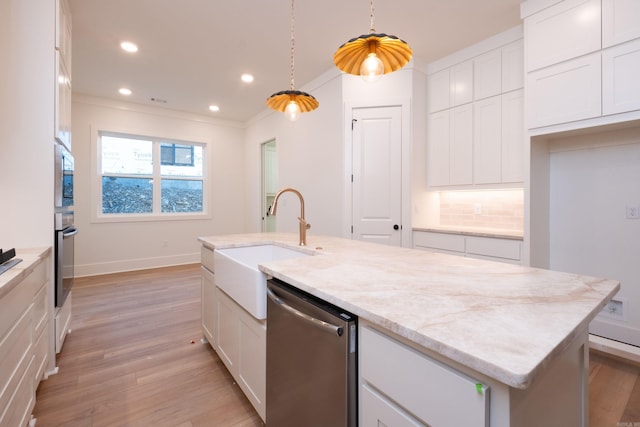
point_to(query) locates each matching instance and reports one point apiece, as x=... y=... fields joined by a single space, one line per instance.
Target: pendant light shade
x=372 y=55
x=292 y=102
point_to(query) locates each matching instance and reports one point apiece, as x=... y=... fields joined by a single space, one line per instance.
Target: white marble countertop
x=30 y=258
x=502 y=320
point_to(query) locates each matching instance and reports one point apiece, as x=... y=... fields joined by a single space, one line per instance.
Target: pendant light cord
x=293 y=45
x=372 y=18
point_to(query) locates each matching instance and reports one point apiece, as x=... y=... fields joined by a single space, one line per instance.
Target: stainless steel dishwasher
x=311 y=360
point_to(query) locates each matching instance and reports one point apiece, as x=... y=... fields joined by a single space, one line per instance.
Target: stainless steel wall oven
x=64 y=228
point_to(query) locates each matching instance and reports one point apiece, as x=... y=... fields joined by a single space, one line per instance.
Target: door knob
x=396 y=226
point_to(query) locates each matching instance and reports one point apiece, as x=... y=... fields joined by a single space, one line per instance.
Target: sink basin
x=237 y=273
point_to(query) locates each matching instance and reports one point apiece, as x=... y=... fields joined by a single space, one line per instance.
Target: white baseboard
x=135 y=264
x=615 y=348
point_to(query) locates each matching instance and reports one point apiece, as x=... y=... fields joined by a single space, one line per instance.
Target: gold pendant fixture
x=373 y=54
x=292 y=102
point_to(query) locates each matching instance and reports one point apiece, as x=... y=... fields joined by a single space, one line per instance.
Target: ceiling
x=192 y=52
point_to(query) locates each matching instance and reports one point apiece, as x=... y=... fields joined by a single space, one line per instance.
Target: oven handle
x=70 y=233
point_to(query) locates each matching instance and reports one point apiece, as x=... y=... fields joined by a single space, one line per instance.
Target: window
x=144 y=176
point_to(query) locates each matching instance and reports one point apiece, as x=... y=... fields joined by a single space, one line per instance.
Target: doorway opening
x=269 y=183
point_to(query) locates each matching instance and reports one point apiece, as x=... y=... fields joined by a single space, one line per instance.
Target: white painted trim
x=135 y=264
x=529 y=7
x=493 y=42
x=616 y=348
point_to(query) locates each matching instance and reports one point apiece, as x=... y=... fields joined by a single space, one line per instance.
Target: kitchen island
x=519 y=334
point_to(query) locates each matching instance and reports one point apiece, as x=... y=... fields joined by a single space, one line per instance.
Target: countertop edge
x=31 y=257
x=470 y=233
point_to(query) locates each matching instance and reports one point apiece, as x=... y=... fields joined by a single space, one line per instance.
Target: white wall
x=26 y=123
x=592 y=180
x=310 y=159
x=110 y=247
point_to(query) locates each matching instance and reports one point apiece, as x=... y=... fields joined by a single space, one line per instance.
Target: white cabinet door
x=461 y=145
x=439 y=91
x=252 y=360
x=450 y=145
x=461 y=83
x=513 y=66
x=487 y=140
x=513 y=138
x=621 y=77
x=227 y=332
x=438 y=149
x=620 y=21
x=209 y=306
x=487 y=75
x=565 y=92
x=563 y=31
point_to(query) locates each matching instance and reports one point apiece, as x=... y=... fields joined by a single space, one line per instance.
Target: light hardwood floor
x=134 y=358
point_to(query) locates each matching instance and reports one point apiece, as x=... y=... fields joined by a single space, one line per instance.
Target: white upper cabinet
x=461 y=83
x=583 y=62
x=473 y=137
x=438 y=96
x=487 y=140
x=620 y=21
x=487 y=75
x=566 y=30
x=621 y=78
x=565 y=92
x=512 y=141
x=513 y=66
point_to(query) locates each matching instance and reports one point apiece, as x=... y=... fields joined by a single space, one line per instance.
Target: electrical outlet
x=477 y=208
x=632 y=212
x=614 y=309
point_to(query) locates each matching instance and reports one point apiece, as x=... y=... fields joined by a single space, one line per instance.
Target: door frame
x=406 y=143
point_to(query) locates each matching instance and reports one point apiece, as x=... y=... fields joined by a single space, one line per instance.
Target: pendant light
x=292 y=102
x=373 y=54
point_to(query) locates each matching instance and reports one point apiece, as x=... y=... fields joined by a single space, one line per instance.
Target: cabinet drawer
x=376 y=410
x=206 y=258
x=498 y=248
x=40 y=310
x=19 y=298
x=439 y=241
x=22 y=399
x=15 y=355
x=40 y=359
x=429 y=390
x=565 y=92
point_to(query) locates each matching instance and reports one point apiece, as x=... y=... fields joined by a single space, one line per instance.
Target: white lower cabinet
x=400 y=386
x=24 y=344
x=239 y=338
x=242 y=346
x=489 y=248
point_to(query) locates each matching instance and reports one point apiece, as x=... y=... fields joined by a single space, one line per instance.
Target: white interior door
x=377 y=174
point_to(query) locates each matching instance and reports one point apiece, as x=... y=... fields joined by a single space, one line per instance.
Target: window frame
x=156 y=215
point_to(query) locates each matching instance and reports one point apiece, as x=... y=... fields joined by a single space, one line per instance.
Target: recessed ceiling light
x=247 y=78
x=124 y=91
x=129 y=46
x=214 y=108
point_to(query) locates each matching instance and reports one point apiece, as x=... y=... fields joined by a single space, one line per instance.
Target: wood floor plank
x=130 y=362
x=134 y=358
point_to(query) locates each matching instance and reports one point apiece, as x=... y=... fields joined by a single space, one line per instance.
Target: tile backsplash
x=486 y=209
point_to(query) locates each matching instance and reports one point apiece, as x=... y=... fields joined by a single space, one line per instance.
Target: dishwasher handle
x=319 y=323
